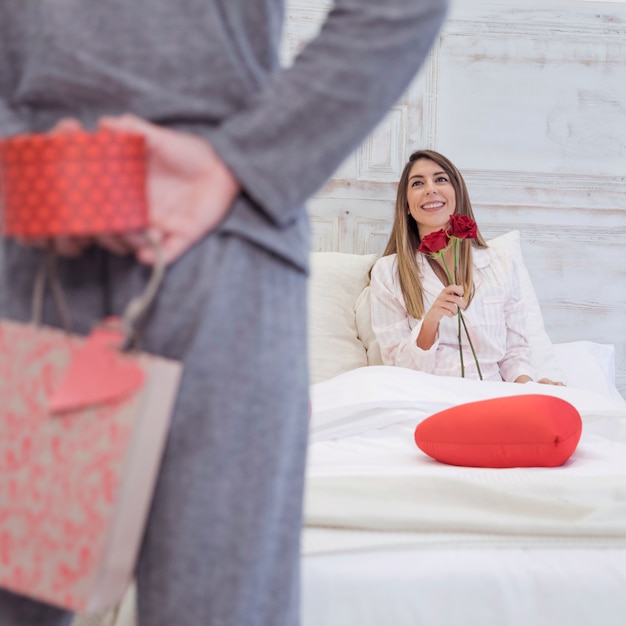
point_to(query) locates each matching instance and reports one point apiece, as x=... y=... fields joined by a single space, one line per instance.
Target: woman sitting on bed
x=414 y=306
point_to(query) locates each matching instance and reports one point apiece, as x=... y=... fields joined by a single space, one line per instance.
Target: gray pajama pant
x=222 y=542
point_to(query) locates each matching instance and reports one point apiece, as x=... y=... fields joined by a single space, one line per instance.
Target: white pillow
x=589 y=365
x=337 y=279
x=542 y=353
x=364 y=328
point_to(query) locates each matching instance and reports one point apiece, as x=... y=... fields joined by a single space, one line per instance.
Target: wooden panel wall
x=530 y=103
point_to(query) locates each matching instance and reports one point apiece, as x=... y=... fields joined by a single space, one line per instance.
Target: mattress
x=465 y=587
x=361 y=567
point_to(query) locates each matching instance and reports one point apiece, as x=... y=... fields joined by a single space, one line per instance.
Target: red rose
x=462 y=227
x=434 y=242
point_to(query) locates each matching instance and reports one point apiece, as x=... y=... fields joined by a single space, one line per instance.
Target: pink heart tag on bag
x=98 y=374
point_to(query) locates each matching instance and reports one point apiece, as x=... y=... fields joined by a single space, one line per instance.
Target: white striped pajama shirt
x=495 y=320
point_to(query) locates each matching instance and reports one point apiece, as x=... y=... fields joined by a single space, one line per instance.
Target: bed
x=392 y=537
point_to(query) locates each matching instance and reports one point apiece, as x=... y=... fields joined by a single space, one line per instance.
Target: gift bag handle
x=138 y=307
x=48 y=270
x=133 y=314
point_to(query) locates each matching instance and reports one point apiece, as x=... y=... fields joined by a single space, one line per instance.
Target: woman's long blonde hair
x=404 y=239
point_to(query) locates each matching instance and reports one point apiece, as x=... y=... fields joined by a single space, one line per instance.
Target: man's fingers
x=135 y=239
x=113 y=244
x=71 y=246
x=128 y=121
x=170 y=246
x=36 y=242
x=122 y=243
x=66 y=125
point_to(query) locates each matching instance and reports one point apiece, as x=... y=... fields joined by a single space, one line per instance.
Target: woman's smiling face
x=430 y=196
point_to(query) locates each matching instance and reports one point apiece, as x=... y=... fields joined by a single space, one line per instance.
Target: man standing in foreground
x=236 y=145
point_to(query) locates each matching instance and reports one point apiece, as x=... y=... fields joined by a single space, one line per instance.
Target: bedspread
x=369 y=485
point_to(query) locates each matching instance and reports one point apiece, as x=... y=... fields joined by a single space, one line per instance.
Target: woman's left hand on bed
x=544 y=381
x=547 y=381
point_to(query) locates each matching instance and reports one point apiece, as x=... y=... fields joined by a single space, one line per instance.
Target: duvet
x=369 y=485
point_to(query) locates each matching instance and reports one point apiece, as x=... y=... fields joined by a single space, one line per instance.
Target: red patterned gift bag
x=83 y=422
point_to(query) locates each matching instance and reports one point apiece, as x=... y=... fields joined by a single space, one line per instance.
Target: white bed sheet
x=379 y=396
x=380 y=481
x=465 y=587
x=361 y=567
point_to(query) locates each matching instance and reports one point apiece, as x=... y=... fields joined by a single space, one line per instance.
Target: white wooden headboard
x=529 y=101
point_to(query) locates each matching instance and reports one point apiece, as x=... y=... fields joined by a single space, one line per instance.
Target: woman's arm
x=391 y=323
x=516 y=365
x=447 y=304
x=518 y=347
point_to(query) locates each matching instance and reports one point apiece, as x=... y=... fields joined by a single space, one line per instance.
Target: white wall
x=529 y=101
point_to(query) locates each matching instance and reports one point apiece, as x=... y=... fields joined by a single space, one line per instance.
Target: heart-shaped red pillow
x=515 y=431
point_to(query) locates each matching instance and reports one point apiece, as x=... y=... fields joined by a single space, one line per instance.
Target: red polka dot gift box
x=76 y=183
